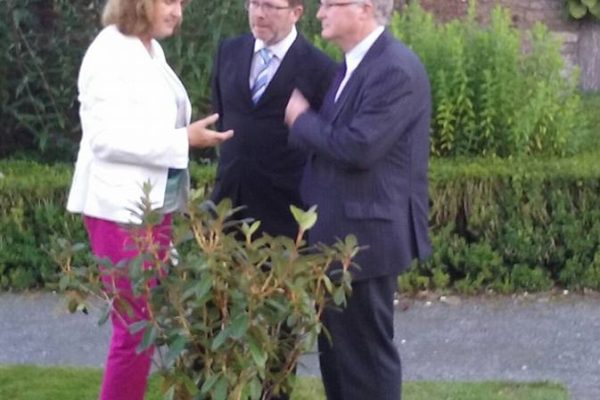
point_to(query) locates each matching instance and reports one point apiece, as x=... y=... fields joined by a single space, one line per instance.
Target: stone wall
x=581 y=45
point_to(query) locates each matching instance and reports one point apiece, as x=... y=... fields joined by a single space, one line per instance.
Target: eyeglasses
x=266 y=7
x=328 y=4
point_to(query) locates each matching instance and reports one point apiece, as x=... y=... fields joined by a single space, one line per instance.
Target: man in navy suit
x=367 y=173
x=253 y=78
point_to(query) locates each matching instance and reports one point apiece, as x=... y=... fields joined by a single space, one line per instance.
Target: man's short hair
x=294 y=3
x=383 y=10
x=132 y=17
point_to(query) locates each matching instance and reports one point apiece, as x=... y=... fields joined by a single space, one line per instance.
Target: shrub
x=43 y=43
x=488 y=217
x=235 y=313
x=491 y=98
x=512 y=225
x=32 y=199
x=33 y=218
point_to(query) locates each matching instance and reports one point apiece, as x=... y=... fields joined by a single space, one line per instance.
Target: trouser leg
x=126 y=371
x=362 y=361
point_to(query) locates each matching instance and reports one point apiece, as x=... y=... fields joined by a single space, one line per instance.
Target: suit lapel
x=363 y=68
x=243 y=72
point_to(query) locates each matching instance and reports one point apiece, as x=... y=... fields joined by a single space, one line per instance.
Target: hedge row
x=504 y=225
x=519 y=224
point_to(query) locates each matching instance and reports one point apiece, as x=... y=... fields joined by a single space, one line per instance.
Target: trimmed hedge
x=32 y=213
x=504 y=225
x=517 y=224
x=33 y=220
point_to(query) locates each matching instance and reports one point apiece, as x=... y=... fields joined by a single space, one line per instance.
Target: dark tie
x=329 y=100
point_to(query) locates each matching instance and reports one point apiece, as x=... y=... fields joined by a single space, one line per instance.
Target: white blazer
x=128 y=112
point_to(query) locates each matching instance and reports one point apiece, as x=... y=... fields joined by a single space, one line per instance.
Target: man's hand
x=200 y=136
x=296 y=106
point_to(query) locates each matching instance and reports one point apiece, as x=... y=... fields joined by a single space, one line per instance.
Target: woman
x=135 y=116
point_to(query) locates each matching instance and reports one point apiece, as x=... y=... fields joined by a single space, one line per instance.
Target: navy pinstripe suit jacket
x=368 y=168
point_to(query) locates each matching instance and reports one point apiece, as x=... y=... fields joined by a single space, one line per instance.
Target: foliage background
x=502 y=225
x=42 y=43
x=492 y=101
x=490 y=98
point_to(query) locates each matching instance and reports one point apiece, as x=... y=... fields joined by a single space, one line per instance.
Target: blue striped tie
x=263 y=76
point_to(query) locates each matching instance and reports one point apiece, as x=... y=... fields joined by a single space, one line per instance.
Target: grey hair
x=383 y=11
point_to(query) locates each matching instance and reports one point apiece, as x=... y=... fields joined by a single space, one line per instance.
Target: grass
x=43 y=383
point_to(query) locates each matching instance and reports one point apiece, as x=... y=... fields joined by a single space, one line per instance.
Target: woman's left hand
x=200 y=136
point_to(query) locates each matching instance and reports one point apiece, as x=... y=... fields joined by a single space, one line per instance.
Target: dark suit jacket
x=368 y=171
x=256 y=167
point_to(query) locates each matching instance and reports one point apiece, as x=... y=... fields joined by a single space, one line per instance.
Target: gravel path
x=525 y=338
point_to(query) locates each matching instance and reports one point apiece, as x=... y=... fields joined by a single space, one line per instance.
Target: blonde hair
x=132 y=17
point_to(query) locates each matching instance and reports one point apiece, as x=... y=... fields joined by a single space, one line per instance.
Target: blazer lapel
x=362 y=68
x=243 y=71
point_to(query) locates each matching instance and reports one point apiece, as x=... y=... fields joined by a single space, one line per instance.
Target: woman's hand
x=200 y=136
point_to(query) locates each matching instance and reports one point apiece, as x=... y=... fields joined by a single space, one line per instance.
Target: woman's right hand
x=200 y=136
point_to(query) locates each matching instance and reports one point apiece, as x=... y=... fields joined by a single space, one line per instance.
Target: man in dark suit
x=367 y=173
x=253 y=78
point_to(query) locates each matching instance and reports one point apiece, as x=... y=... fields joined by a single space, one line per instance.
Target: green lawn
x=38 y=383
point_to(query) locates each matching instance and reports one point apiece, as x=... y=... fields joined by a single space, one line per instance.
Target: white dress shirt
x=279 y=51
x=356 y=54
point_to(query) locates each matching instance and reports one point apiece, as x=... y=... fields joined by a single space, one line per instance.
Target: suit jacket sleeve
x=379 y=117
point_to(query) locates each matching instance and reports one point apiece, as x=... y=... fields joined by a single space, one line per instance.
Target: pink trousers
x=126 y=372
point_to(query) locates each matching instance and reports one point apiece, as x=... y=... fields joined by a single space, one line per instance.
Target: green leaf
x=64 y=282
x=328 y=284
x=589 y=3
x=176 y=348
x=305 y=219
x=138 y=326
x=576 y=9
x=239 y=326
x=595 y=11
x=339 y=296
x=199 y=289
x=254 y=388
x=148 y=340
x=104 y=314
x=204 y=287
x=259 y=356
x=77 y=247
x=220 y=339
x=209 y=383
x=351 y=241
x=220 y=392
x=249 y=230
